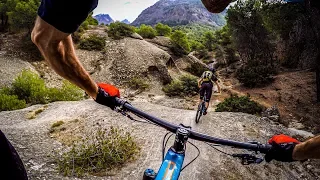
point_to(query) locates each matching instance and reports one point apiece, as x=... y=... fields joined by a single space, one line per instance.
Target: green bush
x=196 y=69
x=11 y=102
x=239 y=104
x=68 y=92
x=146 y=31
x=186 y=85
x=119 y=30
x=93 y=42
x=200 y=51
x=138 y=84
x=30 y=87
x=98 y=152
x=180 y=41
x=85 y=25
x=163 y=30
x=255 y=75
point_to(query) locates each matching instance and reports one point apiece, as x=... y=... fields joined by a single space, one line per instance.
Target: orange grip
x=280 y=139
x=110 y=89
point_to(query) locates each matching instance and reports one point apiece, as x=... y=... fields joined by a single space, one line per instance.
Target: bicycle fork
x=172 y=164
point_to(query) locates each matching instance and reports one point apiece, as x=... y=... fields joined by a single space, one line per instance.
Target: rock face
x=179 y=12
x=272 y=113
x=186 y=61
x=34 y=143
x=103 y=18
x=132 y=58
x=10 y=68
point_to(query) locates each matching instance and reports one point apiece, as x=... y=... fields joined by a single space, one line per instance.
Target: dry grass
x=67 y=132
x=33 y=114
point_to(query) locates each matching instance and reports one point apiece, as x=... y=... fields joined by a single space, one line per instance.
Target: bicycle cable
x=124 y=113
x=213 y=146
x=164 y=143
x=193 y=158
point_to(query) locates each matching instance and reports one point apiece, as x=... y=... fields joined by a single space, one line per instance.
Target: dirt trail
x=34 y=144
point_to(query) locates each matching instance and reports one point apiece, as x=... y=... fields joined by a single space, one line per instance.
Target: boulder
x=186 y=61
x=129 y=58
x=136 y=36
x=272 y=113
x=10 y=69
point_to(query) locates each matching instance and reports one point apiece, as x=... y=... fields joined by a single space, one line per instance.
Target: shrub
x=119 y=30
x=200 y=51
x=30 y=87
x=138 y=84
x=68 y=92
x=100 y=151
x=93 y=42
x=163 y=30
x=255 y=75
x=239 y=104
x=147 y=31
x=185 y=86
x=84 y=25
x=196 y=69
x=11 y=102
x=180 y=41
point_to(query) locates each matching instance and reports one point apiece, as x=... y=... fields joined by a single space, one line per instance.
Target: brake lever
x=247 y=159
x=124 y=113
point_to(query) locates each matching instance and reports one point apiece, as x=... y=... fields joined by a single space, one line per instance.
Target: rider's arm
x=309 y=149
x=199 y=82
x=219 y=89
x=58 y=50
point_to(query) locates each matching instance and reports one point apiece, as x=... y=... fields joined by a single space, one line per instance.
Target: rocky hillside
x=179 y=12
x=104 y=18
x=35 y=144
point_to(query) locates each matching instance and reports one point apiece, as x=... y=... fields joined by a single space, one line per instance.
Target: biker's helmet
x=212 y=69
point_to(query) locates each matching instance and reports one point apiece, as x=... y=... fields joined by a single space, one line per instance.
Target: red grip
x=280 y=139
x=110 y=89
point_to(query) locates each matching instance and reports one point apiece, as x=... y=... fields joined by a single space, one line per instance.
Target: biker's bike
x=172 y=162
x=201 y=109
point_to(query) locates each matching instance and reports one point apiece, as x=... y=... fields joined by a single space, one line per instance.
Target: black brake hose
x=263 y=148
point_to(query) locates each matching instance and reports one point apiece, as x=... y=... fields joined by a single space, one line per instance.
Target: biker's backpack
x=207 y=76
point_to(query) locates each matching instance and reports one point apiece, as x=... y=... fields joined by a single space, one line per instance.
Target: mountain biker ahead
x=205 y=83
x=284 y=148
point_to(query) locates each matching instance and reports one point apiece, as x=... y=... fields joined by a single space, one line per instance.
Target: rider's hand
x=106 y=95
x=282 y=148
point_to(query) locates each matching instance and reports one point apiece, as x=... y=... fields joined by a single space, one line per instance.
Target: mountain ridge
x=103 y=18
x=179 y=12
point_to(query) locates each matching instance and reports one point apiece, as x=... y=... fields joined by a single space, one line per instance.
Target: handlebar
x=263 y=148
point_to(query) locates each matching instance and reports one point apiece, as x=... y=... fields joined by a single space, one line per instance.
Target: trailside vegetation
x=29 y=89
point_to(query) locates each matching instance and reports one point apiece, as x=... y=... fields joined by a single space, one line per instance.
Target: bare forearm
x=218 y=86
x=309 y=149
x=65 y=63
x=199 y=82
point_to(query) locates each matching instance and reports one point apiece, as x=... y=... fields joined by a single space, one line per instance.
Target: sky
x=123 y=9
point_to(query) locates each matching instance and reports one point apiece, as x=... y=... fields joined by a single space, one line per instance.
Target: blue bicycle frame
x=171 y=166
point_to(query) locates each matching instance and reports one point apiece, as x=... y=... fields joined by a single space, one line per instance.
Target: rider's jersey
x=208 y=76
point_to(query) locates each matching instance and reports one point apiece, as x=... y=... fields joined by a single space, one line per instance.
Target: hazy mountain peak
x=104 y=18
x=179 y=12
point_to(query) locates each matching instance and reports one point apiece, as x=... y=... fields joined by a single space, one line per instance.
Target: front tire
x=199 y=113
